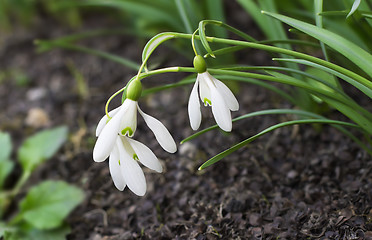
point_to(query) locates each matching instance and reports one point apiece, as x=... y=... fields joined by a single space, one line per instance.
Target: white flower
x=213 y=93
x=124 y=122
x=124 y=167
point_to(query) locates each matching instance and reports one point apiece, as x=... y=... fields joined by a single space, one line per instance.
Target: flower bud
x=134 y=90
x=199 y=64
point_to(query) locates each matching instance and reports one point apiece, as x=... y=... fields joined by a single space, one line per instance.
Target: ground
x=300 y=182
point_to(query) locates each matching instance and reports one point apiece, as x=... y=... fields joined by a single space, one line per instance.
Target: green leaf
x=203 y=38
x=318 y=8
x=6 y=165
x=339 y=102
x=144 y=10
x=361 y=87
x=236 y=147
x=347 y=48
x=40 y=147
x=328 y=78
x=184 y=16
x=35 y=234
x=367 y=15
x=154 y=42
x=44 y=45
x=354 y=7
x=48 y=204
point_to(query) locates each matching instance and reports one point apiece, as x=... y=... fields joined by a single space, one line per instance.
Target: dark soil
x=301 y=182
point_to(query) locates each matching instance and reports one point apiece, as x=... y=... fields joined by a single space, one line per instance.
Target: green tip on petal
x=134 y=90
x=207 y=102
x=135 y=157
x=127 y=130
x=199 y=64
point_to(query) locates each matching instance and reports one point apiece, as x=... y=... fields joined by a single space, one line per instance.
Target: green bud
x=199 y=64
x=134 y=90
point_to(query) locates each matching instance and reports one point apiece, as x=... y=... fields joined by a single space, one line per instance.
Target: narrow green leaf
x=251 y=7
x=254 y=114
x=339 y=102
x=203 y=38
x=48 y=204
x=367 y=15
x=342 y=13
x=318 y=8
x=350 y=80
x=236 y=147
x=226 y=50
x=40 y=147
x=154 y=42
x=215 y=11
x=328 y=79
x=48 y=45
x=189 y=80
x=146 y=11
x=347 y=48
x=354 y=7
x=183 y=13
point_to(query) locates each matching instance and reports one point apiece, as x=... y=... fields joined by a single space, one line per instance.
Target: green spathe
x=134 y=90
x=199 y=64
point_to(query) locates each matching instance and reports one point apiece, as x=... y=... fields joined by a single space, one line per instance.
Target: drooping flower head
x=115 y=133
x=214 y=93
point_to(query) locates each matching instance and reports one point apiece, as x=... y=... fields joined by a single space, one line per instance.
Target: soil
x=300 y=182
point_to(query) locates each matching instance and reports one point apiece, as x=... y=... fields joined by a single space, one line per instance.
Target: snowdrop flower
x=124 y=167
x=214 y=93
x=124 y=122
x=114 y=141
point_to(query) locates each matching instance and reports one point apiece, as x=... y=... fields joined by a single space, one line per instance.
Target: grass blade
x=347 y=48
x=234 y=148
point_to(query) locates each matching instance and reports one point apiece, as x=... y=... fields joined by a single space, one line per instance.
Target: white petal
x=161 y=133
x=227 y=95
x=204 y=88
x=194 y=108
x=103 y=121
x=127 y=147
x=146 y=156
x=115 y=169
x=107 y=137
x=220 y=111
x=130 y=119
x=132 y=173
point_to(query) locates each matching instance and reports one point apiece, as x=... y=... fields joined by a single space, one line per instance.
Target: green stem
x=263 y=47
x=230 y=28
x=112 y=97
x=7 y=196
x=299 y=84
x=193 y=42
x=335 y=67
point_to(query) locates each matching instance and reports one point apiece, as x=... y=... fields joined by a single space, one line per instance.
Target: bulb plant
x=309 y=83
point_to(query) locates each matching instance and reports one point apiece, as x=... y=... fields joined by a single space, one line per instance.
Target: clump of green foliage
x=41 y=212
